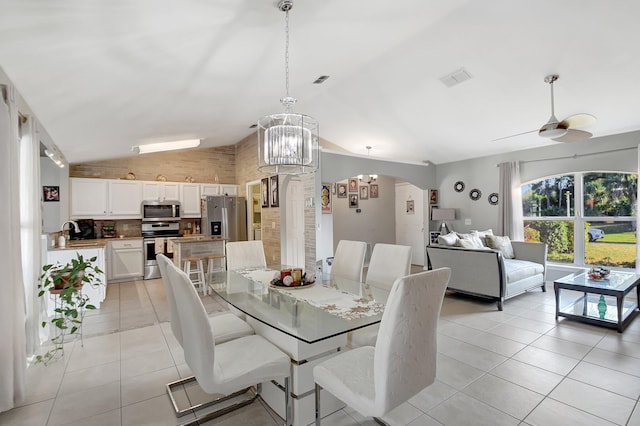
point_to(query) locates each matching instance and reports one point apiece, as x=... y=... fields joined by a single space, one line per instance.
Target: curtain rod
x=574 y=156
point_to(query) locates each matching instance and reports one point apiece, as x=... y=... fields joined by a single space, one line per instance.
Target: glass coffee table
x=603 y=301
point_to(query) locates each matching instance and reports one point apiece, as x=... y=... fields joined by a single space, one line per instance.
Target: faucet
x=72 y=222
x=61 y=240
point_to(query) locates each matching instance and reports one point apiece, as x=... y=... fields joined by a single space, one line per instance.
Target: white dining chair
x=388 y=263
x=230 y=368
x=245 y=254
x=226 y=326
x=348 y=260
x=375 y=380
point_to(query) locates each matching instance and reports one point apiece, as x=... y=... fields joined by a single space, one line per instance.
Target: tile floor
x=515 y=367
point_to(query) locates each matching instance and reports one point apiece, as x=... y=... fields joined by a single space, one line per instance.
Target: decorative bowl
x=599 y=273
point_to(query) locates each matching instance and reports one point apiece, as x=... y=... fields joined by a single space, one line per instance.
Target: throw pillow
x=473 y=236
x=483 y=235
x=449 y=239
x=501 y=243
x=467 y=243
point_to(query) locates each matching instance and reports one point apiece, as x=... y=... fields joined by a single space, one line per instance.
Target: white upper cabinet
x=209 y=189
x=124 y=198
x=190 y=199
x=89 y=198
x=105 y=198
x=160 y=191
x=228 y=189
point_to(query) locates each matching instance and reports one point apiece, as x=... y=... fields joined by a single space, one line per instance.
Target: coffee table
x=603 y=301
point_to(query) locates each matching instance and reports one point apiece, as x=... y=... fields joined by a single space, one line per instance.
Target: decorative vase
x=602 y=307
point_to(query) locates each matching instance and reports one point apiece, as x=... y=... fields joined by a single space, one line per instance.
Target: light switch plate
x=467 y=221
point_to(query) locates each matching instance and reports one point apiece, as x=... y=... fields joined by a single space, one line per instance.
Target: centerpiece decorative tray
x=292 y=279
x=599 y=273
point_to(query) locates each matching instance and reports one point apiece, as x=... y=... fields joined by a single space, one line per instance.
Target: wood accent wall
x=203 y=164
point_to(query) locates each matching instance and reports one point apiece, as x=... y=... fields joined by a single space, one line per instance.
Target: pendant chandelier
x=287 y=142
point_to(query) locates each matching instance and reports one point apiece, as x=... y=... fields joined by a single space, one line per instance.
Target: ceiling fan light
x=553 y=129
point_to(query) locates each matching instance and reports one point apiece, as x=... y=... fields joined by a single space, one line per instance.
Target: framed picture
x=273 y=187
x=353 y=201
x=433 y=237
x=373 y=190
x=431 y=207
x=325 y=198
x=410 y=207
x=264 y=193
x=433 y=196
x=353 y=185
x=342 y=190
x=364 y=192
x=51 y=193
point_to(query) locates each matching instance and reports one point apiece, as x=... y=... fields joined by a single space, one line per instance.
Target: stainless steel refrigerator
x=224 y=216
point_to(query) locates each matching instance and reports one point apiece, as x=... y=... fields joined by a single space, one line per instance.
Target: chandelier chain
x=286 y=53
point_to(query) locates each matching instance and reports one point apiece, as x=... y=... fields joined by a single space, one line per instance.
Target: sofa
x=487 y=273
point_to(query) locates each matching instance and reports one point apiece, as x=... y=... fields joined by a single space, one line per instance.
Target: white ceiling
x=105 y=75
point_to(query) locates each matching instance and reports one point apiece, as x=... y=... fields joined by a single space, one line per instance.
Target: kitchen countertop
x=94 y=243
x=195 y=238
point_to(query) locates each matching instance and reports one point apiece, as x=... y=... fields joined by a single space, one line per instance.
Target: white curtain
x=510 y=220
x=30 y=216
x=13 y=359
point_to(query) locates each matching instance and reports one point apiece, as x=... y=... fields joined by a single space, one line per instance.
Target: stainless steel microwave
x=156 y=211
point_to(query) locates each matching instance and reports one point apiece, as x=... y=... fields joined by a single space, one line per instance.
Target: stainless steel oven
x=155 y=242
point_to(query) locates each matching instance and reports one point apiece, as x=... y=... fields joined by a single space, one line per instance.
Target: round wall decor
x=493 y=198
x=459 y=186
x=475 y=194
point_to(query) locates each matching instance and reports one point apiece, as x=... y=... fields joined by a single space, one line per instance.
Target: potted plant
x=65 y=281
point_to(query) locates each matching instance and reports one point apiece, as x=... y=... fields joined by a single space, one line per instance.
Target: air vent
x=456 y=77
x=321 y=79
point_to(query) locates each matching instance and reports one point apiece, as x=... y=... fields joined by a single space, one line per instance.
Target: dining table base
x=304 y=357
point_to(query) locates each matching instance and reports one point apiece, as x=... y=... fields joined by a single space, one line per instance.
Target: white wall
x=482 y=173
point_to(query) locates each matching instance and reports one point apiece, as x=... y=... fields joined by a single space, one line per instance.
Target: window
x=605 y=215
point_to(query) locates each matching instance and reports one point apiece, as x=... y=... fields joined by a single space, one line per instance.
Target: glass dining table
x=310 y=323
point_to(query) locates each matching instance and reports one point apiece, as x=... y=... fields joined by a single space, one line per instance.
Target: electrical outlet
x=467 y=221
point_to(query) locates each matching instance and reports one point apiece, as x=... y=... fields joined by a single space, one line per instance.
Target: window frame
x=578 y=219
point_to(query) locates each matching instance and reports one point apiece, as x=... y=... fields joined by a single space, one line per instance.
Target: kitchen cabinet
x=124 y=198
x=89 y=198
x=218 y=189
x=105 y=198
x=209 y=189
x=96 y=292
x=126 y=260
x=160 y=191
x=190 y=199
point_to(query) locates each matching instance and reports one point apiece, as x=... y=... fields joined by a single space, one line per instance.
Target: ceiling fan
x=565 y=130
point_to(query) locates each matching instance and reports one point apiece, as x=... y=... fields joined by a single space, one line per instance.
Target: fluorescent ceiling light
x=166 y=146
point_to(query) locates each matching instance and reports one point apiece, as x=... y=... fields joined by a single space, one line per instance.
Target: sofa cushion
x=501 y=243
x=473 y=238
x=517 y=270
x=449 y=239
x=483 y=235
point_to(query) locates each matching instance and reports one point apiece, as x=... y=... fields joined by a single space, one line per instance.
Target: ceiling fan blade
x=574 y=135
x=578 y=121
x=513 y=136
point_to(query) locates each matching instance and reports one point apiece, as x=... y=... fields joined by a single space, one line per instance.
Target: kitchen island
x=210 y=248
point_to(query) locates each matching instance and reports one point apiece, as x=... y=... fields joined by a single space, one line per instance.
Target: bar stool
x=197 y=271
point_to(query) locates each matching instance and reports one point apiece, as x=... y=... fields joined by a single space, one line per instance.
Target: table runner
x=340 y=303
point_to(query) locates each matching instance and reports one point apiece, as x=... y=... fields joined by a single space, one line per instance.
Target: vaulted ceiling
x=103 y=76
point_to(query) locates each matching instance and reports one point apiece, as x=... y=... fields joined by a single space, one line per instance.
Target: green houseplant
x=66 y=281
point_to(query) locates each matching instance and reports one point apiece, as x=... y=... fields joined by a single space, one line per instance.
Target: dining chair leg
x=317 y=395
x=288 y=421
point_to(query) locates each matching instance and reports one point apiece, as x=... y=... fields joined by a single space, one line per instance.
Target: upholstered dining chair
x=348 y=260
x=230 y=368
x=245 y=254
x=375 y=380
x=388 y=263
x=226 y=326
